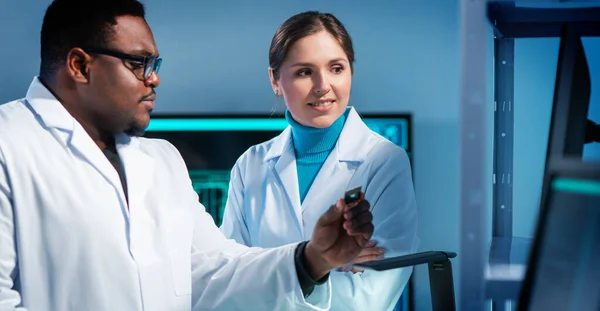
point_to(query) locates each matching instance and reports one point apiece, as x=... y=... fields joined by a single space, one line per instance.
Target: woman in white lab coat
x=279 y=188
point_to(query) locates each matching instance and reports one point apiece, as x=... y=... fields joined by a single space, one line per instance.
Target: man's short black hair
x=80 y=23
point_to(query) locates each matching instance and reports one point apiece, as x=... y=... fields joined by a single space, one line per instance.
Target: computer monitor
x=211 y=144
x=563 y=271
x=571 y=102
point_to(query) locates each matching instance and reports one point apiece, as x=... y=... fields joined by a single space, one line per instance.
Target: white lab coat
x=263 y=206
x=69 y=242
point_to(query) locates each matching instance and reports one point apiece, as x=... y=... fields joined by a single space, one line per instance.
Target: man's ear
x=78 y=65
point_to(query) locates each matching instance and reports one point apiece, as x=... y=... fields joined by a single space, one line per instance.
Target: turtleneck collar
x=310 y=140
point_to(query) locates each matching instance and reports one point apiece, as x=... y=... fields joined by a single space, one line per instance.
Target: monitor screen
x=210 y=145
x=566 y=274
x=571 y=101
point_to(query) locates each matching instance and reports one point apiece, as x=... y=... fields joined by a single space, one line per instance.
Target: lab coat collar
x=139 y=168
x=51 y=112
x=138 y=165
x=350 y=144
x=281 y=144
x=349 y=147
x=281 y=157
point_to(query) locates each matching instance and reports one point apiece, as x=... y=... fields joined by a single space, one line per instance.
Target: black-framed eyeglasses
x=150 y=64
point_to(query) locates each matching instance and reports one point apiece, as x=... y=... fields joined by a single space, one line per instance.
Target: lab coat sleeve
x=230 y=276
x=9 y=298
x=235 y=277
x=234 y=225
x=395 y=218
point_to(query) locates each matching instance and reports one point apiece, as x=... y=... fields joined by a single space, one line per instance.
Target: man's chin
x=136 y=130
x=139 y=125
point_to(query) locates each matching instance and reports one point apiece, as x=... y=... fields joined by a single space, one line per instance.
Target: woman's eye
x=304 y=72
x=337 y=69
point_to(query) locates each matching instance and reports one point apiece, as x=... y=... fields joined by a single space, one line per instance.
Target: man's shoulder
x=9 y=112
x=14 y=117
x=170 y=163
x=157 y=147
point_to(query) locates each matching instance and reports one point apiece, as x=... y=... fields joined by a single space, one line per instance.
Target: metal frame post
x=504 y=105
x=441 y=285
x=473 y=183
x=502 y=190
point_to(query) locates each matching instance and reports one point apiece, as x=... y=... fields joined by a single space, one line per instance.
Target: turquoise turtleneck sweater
x=312 y=146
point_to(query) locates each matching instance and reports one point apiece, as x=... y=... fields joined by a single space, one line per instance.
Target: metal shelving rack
x=498 y=277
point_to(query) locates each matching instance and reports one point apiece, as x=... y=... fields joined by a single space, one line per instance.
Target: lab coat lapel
x=58 y=121
x=337 y=172
x=282 y=160
x=139 y=169
x=330 y=183
x=84 y=147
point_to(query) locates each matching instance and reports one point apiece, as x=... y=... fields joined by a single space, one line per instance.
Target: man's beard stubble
x=135 y=129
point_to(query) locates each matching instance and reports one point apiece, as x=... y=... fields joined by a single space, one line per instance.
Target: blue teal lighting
x=395 y=130
x=390 y=132
x=193 y=125
x=588 y=187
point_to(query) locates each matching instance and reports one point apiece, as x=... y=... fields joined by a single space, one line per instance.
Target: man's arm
x=229 y=276
x=226 y=275
x=234 y=227
x=9 y=298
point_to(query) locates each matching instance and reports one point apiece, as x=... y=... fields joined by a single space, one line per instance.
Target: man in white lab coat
x=93 y=217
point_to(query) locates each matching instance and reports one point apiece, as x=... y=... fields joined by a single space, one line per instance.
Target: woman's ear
x=274 y=83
